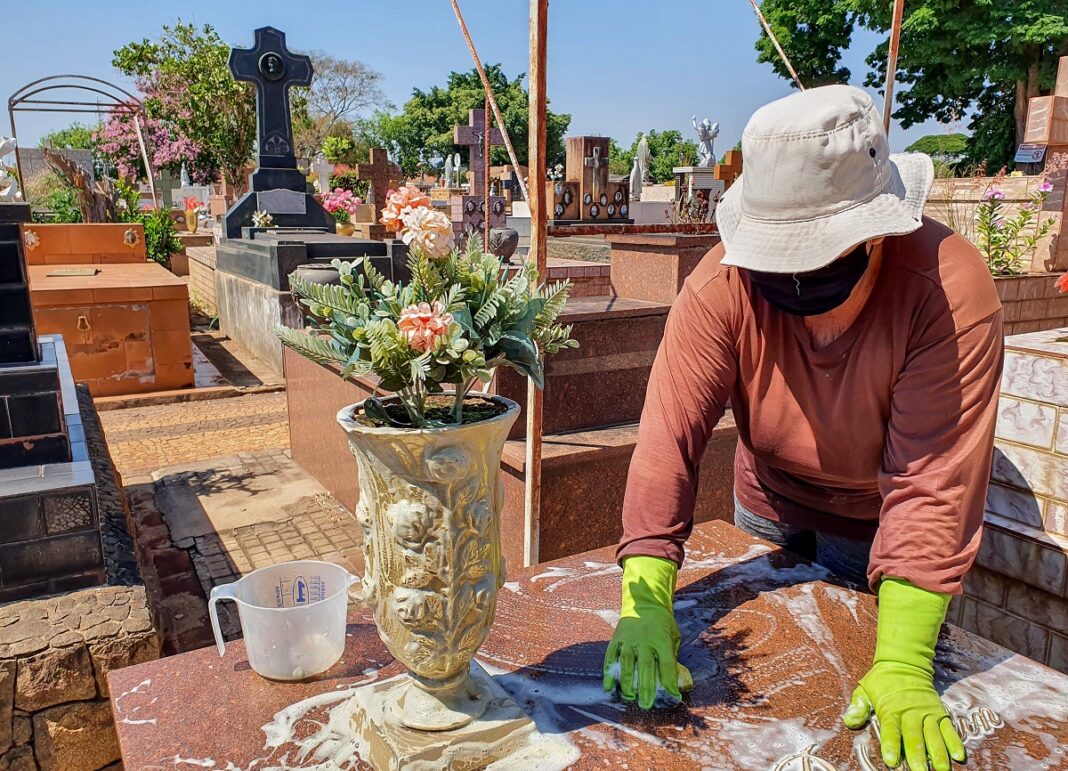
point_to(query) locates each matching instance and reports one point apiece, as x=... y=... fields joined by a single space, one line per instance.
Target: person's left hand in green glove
x=899 y=687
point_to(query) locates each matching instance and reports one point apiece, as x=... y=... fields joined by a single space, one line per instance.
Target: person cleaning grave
x=860 y=348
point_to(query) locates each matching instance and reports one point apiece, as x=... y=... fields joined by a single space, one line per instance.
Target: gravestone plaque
x=282 y=202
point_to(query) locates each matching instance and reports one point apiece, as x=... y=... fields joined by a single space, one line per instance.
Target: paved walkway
x=144 y=439
x=214 y=495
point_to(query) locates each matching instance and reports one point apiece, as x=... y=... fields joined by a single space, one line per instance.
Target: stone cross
x=473 y=137
x=597 y=162
x=323 y=169
x=381 y=174
x=274 y=70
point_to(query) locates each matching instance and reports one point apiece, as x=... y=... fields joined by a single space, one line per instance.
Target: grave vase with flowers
x=429 y=471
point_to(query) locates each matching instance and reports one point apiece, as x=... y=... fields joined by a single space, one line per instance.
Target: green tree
x=945 y=146
x=76 y=136
x=342 y=91
x=420 y=136
x=668 y=149
x=957 y=57
x=187 y=82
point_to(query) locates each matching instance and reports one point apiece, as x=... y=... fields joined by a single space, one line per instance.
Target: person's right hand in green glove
x=899 y=687
x=641 y=655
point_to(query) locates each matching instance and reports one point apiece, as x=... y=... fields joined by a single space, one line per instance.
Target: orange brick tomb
x=126 y=326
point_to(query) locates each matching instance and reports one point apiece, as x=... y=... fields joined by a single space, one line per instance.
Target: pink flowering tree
x=167 y=148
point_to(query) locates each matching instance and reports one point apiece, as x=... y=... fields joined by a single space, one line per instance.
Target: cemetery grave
x=773 y=644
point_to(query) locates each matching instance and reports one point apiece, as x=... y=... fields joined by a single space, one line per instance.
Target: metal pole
x=539 y=13
x=487 y=124
x=775 y=42
x=891 y=62
x=492 y=99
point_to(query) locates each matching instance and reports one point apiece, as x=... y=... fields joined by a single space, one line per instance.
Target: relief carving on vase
x=429 y=509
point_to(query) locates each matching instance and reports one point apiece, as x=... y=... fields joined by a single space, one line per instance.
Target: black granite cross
x=274 y=69
x=473 y=136
x=597 y=162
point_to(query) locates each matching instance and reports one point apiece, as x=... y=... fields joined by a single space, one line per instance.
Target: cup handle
x=223 y=592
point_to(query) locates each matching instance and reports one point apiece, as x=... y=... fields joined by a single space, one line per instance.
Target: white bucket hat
x=818 y=179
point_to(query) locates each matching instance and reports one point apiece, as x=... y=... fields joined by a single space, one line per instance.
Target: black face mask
x=814 y=292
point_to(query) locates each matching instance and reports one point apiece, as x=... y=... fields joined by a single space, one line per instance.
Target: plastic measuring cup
x=292 y=615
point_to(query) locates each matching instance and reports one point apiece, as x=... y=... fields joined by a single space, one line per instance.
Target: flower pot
x=191 y=220
x=345 y=228
x=430 y=504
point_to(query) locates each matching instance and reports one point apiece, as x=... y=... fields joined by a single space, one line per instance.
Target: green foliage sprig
x=482 y=314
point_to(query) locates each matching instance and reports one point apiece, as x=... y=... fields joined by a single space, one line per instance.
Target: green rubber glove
x=641 y=655
x=899 y=687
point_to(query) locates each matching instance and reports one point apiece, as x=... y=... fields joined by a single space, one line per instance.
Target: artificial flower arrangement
x=462 y=314
x=261 y=218
x=342 y=204
x=192 y=204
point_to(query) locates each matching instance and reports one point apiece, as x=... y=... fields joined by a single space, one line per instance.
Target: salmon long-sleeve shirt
x=887 y=431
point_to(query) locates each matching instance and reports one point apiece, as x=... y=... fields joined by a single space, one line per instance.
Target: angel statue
x=707 y=131
x=9 y=181
x=644 y=158
x=448 y=171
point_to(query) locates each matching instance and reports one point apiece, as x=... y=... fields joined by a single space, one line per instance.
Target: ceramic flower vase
x=430 y=503
x=191 y=222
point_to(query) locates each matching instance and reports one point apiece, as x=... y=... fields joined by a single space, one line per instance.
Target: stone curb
x=107 y=403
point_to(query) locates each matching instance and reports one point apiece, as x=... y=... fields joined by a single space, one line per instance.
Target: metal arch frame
x=121 y=101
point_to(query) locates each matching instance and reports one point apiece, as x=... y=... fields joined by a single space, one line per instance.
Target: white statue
x=448 y=171
x=636 y=180
x=184 y=180
x=9 y=181
x=643 y=157
x=457 y=168
x=707 y=131
x=322 y=169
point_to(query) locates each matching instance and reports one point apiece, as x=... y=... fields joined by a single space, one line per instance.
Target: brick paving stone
x=153 y=437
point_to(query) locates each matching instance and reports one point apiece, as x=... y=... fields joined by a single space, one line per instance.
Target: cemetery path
x=213 y=495
x=142 y=439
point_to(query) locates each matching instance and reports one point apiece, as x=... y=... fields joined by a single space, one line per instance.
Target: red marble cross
x=382 y=175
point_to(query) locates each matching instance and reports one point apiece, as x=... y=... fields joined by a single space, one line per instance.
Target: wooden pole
x=492 y=99
x=487 y=124
x=775 y=42
x=539 y=14
x=891 y=62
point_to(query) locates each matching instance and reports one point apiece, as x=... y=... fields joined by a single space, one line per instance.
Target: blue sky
x=618 y=67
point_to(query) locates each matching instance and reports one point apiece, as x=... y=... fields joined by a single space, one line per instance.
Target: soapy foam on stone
x=138 y=689
x=561 y=575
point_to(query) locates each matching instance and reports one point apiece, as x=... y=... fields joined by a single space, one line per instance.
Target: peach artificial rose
x=422 y=324
x=428 y=229
x=400 y=201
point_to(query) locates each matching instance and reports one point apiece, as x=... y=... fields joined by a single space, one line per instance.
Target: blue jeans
x=844 y=557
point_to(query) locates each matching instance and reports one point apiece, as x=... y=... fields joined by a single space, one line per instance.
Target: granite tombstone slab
x=775 y=646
